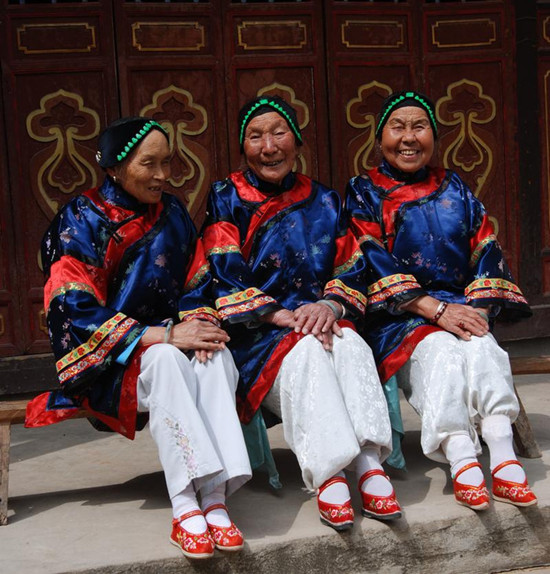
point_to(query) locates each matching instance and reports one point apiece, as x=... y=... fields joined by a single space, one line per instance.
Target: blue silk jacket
x=273 y=247
x=113 y=267
x=424 y=233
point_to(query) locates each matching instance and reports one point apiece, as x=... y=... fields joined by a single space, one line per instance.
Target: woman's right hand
x=194 y=334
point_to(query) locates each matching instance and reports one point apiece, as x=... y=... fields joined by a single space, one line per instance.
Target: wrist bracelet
x=168 y=330
x=440 y=310
x=482 y=314
x=338 y=312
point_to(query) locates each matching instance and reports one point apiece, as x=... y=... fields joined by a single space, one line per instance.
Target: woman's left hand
x=319 y=320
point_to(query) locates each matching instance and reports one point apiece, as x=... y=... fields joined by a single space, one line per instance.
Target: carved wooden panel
x=279 y=50
x=369 y=55
x=464 y=32
x=60 y=95
x=171 y=69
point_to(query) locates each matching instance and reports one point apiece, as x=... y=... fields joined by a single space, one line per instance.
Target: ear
x=110 y=171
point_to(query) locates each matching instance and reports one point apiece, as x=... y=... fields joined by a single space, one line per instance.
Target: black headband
x=404 y=99
x=122 y=137
x=265 y=104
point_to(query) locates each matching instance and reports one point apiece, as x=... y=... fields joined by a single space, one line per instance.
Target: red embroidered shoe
x=337 y=516
x=474 y=497
x=194 y=546
x=381 y=507
x=515 y=493
x=228 y=538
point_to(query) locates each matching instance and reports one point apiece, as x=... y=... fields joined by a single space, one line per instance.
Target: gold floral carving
x=361 y=113
x=182 y=118
x=63 y=164
x=467 y=147
x=303 y=160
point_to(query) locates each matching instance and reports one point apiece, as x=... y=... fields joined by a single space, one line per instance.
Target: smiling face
x=408 y=139
x=144 y=174
x=269 y=147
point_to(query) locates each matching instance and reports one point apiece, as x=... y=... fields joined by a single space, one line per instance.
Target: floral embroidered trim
x=367 y=237
x=182 y=441
x=73 y=286
x=93 y=357
x=354 y=297
x=206 y=313
x=197 y=278
x=390 y=292
x=341 y=269
x=390 y=281
x=476 y=254
x=223 y=250
x=245 y=307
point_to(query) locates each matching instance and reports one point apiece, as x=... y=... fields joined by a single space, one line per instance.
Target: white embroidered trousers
x=331 y=404
x=193 y=419
x=453 y=384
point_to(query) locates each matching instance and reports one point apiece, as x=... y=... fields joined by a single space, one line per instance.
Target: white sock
x=369 y=459
x=497 y=433
x=336 y=493
x=218 y=516
x=184 y=502
x=460 y=451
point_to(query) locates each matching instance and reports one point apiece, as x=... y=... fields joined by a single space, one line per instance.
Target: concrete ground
x=83 y=501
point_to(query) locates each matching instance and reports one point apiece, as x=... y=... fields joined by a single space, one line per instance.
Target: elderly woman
x=439 y=281
x=135 y=336
x=289 y=280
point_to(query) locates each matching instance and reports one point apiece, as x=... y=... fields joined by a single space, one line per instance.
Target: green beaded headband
x=425 y=104
x=277 y=108
x=137 y=137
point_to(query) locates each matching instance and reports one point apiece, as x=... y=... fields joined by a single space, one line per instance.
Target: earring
x=114 y=178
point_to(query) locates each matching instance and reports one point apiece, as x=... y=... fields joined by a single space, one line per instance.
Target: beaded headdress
x=122 y=137
x=401 y=100
x=265 y=104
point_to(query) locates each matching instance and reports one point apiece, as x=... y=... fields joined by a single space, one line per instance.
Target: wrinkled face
x=269 y=147
x=408 y=139
x=145 y=172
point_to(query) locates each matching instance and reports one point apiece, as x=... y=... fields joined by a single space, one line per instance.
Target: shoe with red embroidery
x=474 y=497
x=380 y=507
x=515 y=493
x=337 y=516
x=193 y=546
x=228 y=538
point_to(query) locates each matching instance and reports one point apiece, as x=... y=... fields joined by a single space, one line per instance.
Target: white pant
x=193 y=419
x=331 y=403
x=453 y=384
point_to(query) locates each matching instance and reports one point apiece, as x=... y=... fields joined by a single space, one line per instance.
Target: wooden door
x=59 y=81
x=279 y=49
x=171 y=68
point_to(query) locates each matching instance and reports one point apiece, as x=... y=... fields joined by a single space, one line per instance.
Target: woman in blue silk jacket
x=289 y=283
x=135 y=336
x=439 y=279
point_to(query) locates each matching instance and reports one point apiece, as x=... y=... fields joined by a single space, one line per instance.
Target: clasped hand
x=314 y=318
x=202 y=337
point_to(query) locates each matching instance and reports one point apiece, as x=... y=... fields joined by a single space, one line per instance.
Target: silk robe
x=424 y=233
x=113 y=267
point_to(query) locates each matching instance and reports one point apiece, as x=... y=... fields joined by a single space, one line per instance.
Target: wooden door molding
x=279 y=50
x=58 y=94
x=170 y=63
